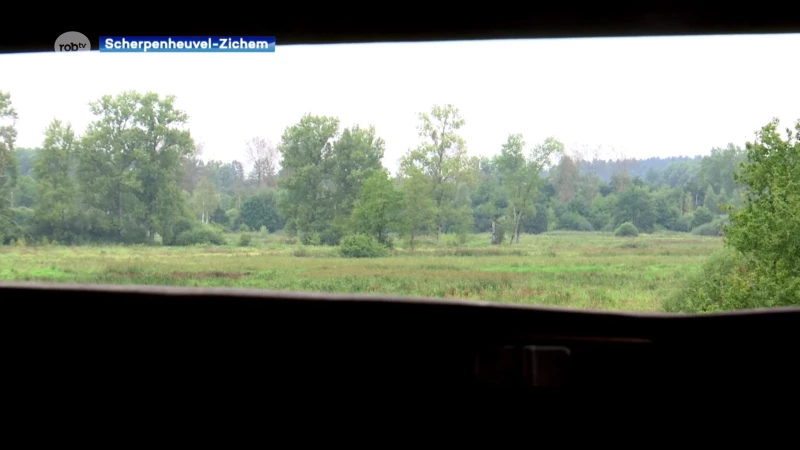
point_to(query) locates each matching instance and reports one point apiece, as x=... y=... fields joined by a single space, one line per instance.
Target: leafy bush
x=361 y=246
x=684 y=224
x=627 y=229
x=244 y=240
x=260 y=211
x=290 y=228
x=702 y=216
x=537 y=223
x=311 y=239
x=200 y=235
x=705 y=289
x=575 y=222
x=216 y=227
x=601 y=221
x=220 y=217
x=330 y=237
x=714 y=228
x=499 y=231
x=301 y=252
x=730 y=280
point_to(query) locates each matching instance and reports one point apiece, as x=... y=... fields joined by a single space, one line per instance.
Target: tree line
x=136 y=176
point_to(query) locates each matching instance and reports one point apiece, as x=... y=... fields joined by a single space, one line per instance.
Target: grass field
x=578 y=270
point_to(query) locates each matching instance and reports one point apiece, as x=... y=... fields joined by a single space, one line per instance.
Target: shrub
x=500 y=231
x=301 y=252
x=601 y=221
x=714 y=228
x=703 y=291
x=684 y=224
x=574 y=222
x=730 y=280
x=387 y=241
x=330 y=237
x=361 y=246
x=200 y=235
x=702 y=216
x=627 y=229
x=311 y=239
x=290 y=228
x=244 y=240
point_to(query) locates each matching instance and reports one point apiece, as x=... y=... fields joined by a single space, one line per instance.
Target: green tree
x=768 y=224
x=760 y=266
x=565 y=177
x=719 y=168
x=635 y=205
x=106 y=168
x=356 y=156
x=520 y=177
x=205 y=199
x=377 y=207
x=306 y=149
x=489 y=201
x=164 y=144
x=131 y=163
x=688 y=203
x=711 y=200
x=261 y=211
x=666 y=203
x=702 y=216
x=57 y=197
x=24 y=191
x=538 y=222
x=8 y=164
x=442 y=157
x=419 y=212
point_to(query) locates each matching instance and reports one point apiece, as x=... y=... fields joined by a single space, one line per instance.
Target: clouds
x=644 y=97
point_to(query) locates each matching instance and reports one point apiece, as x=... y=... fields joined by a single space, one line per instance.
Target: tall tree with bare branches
x=264 y=158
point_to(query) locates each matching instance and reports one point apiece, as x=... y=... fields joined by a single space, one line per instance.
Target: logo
x=72 y=41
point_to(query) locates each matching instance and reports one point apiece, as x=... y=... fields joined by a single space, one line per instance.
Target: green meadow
x=565 y=269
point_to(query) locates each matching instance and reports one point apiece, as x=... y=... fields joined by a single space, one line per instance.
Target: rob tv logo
x=73 y=41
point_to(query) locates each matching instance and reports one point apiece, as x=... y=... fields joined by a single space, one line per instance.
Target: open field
x=578 y=270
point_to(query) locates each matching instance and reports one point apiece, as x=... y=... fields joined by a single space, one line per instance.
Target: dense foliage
x=136 y=176
x=761 y=265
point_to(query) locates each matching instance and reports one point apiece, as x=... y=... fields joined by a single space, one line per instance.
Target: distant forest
x=136 y=176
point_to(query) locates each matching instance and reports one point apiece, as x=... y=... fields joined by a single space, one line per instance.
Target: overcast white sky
x=643 y=97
